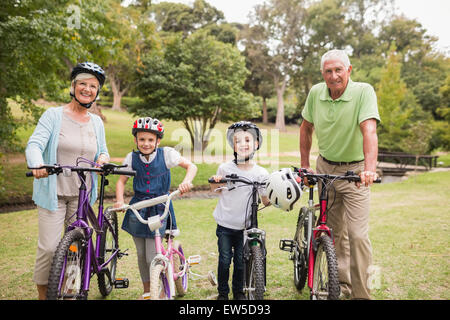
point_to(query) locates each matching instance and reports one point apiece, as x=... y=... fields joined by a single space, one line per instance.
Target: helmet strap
x=241 y=161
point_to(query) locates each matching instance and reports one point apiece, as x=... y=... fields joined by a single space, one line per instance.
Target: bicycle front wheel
x=181 y=284
x=66 y=273
x=108 y=245
x=300 y=250
x=159 y=286
x=255 y=275
x=325 y=281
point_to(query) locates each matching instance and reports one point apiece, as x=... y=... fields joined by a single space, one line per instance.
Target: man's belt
x=340 y=163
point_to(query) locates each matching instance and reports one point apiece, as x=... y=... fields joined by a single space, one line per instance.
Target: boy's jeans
x=230 y=243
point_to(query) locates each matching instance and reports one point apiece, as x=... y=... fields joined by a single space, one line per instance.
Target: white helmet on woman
x=282 y=189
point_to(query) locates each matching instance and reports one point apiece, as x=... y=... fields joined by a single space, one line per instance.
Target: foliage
x=404 y=125
x=391 y=92
x=198 y=81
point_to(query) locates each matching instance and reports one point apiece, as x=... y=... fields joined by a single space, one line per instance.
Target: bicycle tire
x=107 y=246
x=71 y=248
x=255 y=275
x=181 y=284
x=159 y=287
x=300 y=250
x=325 y=281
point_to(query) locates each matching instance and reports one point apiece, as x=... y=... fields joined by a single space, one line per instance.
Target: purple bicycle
x=76 y=258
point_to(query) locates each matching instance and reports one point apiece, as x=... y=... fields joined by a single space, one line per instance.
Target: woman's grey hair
x=336 y=55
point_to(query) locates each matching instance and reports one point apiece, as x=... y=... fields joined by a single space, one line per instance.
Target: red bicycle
x=312 y=249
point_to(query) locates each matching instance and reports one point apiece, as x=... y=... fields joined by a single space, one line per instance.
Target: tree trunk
x=264 y=111
x=117 y=92
x=279 y=122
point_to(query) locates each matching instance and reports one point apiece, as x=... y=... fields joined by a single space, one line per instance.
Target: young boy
x=152 y=165
x=232 y=210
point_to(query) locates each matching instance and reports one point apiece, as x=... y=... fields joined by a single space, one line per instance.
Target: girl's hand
x=118 y=204
x=185 y=187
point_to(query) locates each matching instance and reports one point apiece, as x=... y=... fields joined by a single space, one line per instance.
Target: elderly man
x=344 y=115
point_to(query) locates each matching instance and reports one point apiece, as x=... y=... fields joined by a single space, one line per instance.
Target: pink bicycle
x=169 y=269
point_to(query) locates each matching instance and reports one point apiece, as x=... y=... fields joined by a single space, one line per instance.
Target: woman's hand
x=102 y=159
x=40 y=173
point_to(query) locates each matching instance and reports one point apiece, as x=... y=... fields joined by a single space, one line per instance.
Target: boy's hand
x=217 y=178
x=185 y=187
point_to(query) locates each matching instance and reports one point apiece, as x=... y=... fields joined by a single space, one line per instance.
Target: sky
x=432 y=14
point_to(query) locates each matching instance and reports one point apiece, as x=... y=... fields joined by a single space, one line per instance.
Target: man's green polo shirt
x=336 y=122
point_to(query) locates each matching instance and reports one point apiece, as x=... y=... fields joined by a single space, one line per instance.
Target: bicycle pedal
x=121 y=283
x=287 y=245
x=192 y=260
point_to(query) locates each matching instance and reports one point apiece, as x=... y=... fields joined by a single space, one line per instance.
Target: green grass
x=409 y=232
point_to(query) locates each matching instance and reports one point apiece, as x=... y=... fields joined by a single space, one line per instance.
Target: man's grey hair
x=335 y=54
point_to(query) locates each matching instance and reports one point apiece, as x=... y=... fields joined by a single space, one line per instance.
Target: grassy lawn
x=409 y=232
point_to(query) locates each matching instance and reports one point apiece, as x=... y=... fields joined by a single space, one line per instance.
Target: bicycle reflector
x=282 y=189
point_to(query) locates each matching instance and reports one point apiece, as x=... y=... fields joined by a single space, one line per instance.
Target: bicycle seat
x=173 y=233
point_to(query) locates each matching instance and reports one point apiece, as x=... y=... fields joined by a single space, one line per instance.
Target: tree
x=178 y=17
x=198 y=81
x=132 y=35
x=39 y=39
x=276 y=37
x=391 y=92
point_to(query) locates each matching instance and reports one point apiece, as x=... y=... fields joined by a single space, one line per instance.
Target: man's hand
x=367 y=178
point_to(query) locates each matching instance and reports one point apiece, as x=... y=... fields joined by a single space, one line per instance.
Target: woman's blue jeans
x=230 y=243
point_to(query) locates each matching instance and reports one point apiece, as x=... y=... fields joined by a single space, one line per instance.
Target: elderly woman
x=61 y=136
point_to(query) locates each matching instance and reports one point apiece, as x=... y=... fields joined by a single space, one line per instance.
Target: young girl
x=232 y=212
x=152 y=165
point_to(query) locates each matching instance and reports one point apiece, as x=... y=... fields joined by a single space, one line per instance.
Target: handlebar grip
x=211 y=180
x=125 y=173
x=29 y=174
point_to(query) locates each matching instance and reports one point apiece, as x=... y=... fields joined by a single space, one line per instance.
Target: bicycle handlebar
x=107 y=168
x=350 y=176
x=155 y=221
x=235 y=178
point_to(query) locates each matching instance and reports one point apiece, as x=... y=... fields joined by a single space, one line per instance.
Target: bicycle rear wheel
x=66 y=273
x=181 y=284
x=325 y=281
x=159 y=286
x=108 y=245
x=255 y=275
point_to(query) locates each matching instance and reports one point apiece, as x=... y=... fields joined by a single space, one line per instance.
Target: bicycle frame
x=253 y=236
x=85 y=213
x=320 y=228
x=87 y=221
